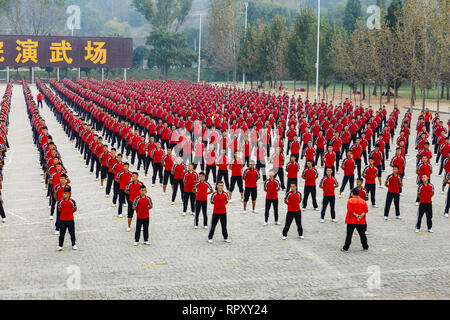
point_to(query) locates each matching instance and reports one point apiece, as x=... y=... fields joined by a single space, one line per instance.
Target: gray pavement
x=180 y=264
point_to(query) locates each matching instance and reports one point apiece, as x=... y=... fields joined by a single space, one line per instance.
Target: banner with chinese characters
x=65 y=52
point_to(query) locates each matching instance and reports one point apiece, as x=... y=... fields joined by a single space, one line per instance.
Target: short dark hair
x=355 y=192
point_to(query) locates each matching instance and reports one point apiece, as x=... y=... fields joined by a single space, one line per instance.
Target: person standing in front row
x=66 y=208
x=328 y=184
x=202 y=189
x=271 y=187
x=355 y=219
x=393 y=183
x=293 y=200
x=425 y=193
x=220 y=200
x=142 y=205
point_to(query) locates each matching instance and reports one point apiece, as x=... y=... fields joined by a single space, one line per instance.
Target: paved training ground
x=180 y=264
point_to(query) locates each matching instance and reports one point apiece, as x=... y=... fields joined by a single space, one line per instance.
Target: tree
x=35 y=17
x=247 y=53
x=115 y=28
x=168 y=14
x=277 y=41
x=169 y=49
x=352 y=14
x=225 y=27
x=299 y=57
x=139 y=54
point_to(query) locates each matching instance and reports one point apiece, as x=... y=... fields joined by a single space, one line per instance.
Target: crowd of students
x=5 y=107
x=174 y=127
x=55 y=176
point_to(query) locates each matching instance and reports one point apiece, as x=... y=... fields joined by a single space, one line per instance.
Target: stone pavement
x=180 y=264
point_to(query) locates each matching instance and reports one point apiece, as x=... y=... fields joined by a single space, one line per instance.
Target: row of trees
x=410 y=47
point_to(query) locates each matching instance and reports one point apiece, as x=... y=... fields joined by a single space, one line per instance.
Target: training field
x=180 y=264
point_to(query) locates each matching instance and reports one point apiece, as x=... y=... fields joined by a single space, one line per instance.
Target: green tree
x=115 y=28
x=299 y=56
x=225 y=26
x=169 y=14
x=168 y=49
x=139 y=54
x=352 y=14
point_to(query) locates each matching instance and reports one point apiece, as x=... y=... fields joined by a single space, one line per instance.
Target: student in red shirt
x=277 y=161
x=123 y=178
x=66 y=208
x=142 y=204
x=328 y=184
x=57 y=195
x=142 y=153
x=425 y=193
x=236 y=176
x=310 y=175
x=112 y=160
x=357 y=151
x=157 y=155
x=393 y=183
x=370 y=174
x=355 y=219
x=295 y=148
x=167 y=163
x=330 y=158
x=202 y=189
x=309 y=152
x=293 y=200
x=271 y=187
x=190 y=178
x=132 y=191
x=220 y=200
x=261 y=159
x=211 y=163
x=251 y=177
x=377 y=157
x=178 y=171
x=222 y=174
x=348 y=165
x=292 y=169
x=320 y=148
x=149 y=160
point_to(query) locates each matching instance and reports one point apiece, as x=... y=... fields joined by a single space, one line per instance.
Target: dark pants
x=122 y=199
x=116 y=191
x=223 y=222
x=222 y=175
x=63 y=226
x=328 y=200
x=358 y=166
x=389 y=197
x=307 y=191
x=201 y=205
x=212 y=169
x=427 y=209
x=371 y=187
x=2 y=211
x=270 y=202
x=189 y=196
x=348 y=239
x=177 y=183
x=348 y=178
x=109 y=182
x=139 y=224
x=238 y=180
x=280 y=173
x=157 y=169
x=290 y=216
